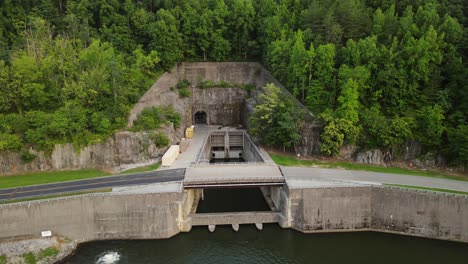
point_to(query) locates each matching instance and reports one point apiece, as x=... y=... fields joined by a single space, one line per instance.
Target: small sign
x=46 y=233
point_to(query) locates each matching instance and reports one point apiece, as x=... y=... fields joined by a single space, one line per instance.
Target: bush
x=27 y=157
x=160 y=139
x=3 y=259
x=152 y=118
x=29 y=258
x=184 y=84
x=48 y=252
x=185 y=92
x=149 y=119
x=171 y=115
x=10 y=142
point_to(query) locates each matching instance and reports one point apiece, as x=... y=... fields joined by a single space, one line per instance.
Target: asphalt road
x=303 y=174
x=90 y=184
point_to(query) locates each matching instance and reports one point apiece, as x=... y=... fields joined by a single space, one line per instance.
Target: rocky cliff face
x=114 y=154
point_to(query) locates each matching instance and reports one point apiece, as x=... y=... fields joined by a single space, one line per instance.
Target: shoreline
x=37 y=250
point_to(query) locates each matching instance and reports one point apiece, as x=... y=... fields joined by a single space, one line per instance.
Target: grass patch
x=3 y=259
x=29 y=258
x=144 y=168
x=48 y=252
x=427 y=188
x=285 y=160
x=56 y=196
x=48 y=177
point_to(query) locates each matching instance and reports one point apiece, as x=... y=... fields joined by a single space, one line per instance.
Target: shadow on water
x=232 y=200
x=274 y=245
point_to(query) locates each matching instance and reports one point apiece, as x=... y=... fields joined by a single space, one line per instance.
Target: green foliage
x=336 y=132
x=204 y=84
x=171 y=115
x=29 y=258
x=27 y=157
x=3 y=259
x=458 y=145
x=83 y=64
x=48 y=252
x=183 y=88
x=183 y=84
x=430 y=126
x=276 y=119
x=148 y=119
x=9 y=142
x=160 y=139
x=184 y=92
x=152 y=118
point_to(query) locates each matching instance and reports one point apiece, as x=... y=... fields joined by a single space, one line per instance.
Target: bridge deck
x=232 y=175
x=234 y=218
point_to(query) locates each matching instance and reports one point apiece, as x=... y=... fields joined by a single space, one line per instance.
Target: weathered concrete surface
x=160 y=94
x=408 y=212
x=426 y=214
x=233 y=218
x=223 y=106
x=332 y=209
x=94 y=217
x=233 y=72
x=114 y=154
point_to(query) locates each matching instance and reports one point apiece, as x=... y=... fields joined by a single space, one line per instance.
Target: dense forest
x=378 y=72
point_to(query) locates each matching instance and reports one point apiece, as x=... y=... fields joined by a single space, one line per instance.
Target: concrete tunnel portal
x=200 y=118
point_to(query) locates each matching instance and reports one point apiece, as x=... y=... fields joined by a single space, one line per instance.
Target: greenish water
x=273 y=245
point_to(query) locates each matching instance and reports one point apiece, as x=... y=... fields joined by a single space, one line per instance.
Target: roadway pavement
x=143 y=178
x=304 y=177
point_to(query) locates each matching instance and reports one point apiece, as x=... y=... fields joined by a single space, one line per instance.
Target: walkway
x=303 y=177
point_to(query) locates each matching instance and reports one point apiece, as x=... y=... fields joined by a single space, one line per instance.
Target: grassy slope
x=285 y=160
x=48 y=177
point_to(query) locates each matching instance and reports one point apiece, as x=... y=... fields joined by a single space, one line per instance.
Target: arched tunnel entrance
x=200 y=117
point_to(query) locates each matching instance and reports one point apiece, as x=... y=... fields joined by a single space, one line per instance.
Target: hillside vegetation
x=378 y=72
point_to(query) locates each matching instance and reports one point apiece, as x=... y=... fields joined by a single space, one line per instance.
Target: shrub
x=184 y=84
x=160 y=139
x=10 y=142
x=149 y=119
x=27 y=157
x=3 y=259
x=29 y=258
x=171 y=115
x=152 y=118
x=185 y=92
x=48 y=252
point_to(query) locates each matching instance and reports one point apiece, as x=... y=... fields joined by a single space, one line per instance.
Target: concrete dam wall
x=408 y=212
x=94 y=217
x=162 y=215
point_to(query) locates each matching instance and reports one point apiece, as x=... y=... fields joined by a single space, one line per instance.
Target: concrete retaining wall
x=433 y=215
x=223 y=106
x=94 y=217
x=153 y=216
x=408 y=212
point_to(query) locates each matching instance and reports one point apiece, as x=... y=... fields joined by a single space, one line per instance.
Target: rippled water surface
x=273 y=245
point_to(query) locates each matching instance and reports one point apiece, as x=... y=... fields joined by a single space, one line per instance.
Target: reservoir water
x=273 y=245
